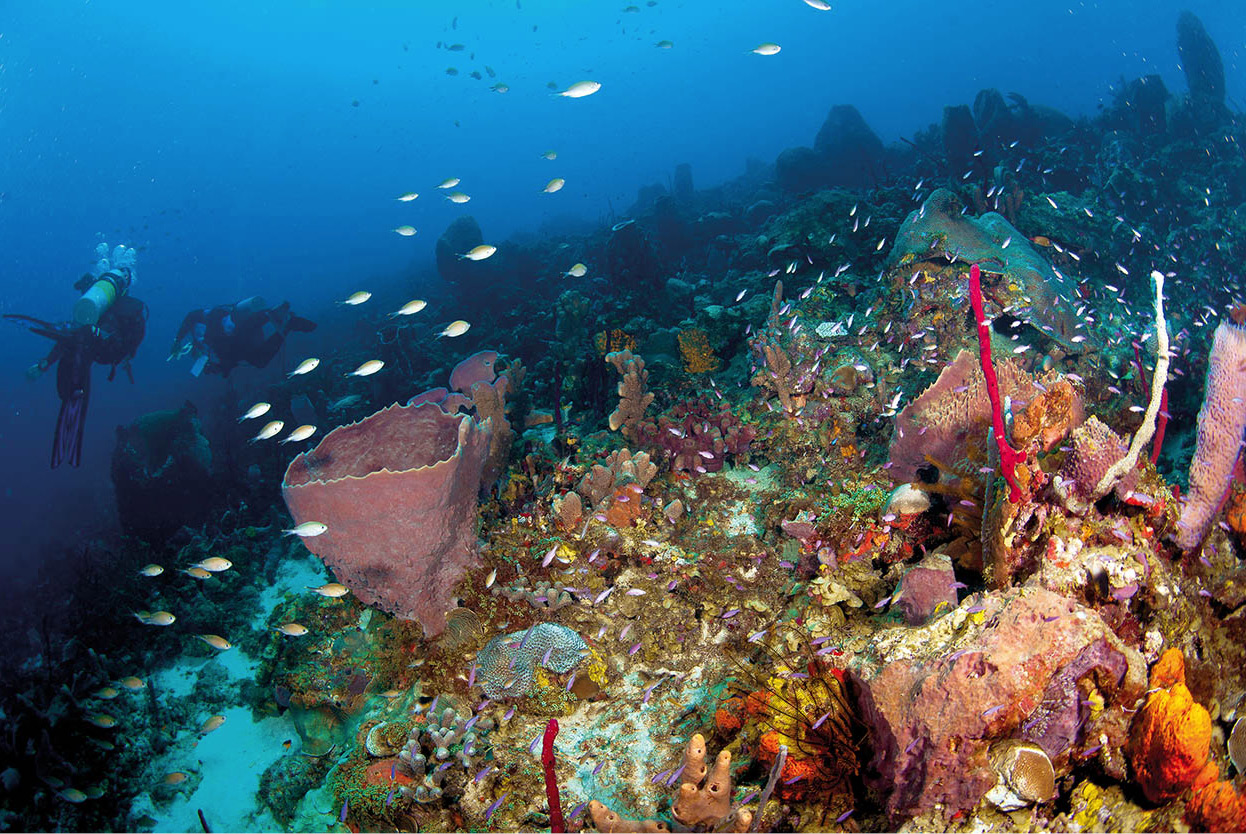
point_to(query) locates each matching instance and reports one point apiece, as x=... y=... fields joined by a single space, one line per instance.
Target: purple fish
x=389 y=797
x=597 y=769
x=976 y=609
x=471 y=677
x=497 y=804
x=989 y=711
x=482 y=774
x=658 y=777
x=393 y=771
x=845 y=815
x=882 y=603
x=579 y=809
x=570 y=683
x=545 y=657
x=632 y=650
x=433 y=705
x=728 y=615
x=819 y=722
x=794 y=779
x=345 y=806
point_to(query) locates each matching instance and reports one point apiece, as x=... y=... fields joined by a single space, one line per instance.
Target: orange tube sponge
x=1171 y=736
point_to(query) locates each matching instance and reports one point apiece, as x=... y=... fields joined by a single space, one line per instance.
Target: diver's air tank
x=112 y=279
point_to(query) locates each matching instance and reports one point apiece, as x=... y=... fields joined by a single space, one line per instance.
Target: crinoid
x=798 y=699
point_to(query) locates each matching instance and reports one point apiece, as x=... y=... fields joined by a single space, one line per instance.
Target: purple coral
x=697 y=435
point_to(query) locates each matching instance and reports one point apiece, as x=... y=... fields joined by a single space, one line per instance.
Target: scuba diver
x=108 y=326
x=222 y=337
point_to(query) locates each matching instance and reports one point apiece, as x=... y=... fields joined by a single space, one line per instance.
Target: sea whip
x=556 y=825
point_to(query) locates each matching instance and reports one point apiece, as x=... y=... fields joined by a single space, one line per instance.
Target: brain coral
x=507 y=663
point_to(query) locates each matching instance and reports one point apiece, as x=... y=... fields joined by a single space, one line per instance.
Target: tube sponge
x=1221 y=422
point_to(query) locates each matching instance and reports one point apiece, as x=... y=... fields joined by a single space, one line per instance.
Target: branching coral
x=634 y=394
x=622 y=468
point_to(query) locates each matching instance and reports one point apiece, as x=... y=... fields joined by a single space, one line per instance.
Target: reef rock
x=1030 y=288
x=461 y=236
x=1204 y=69
x=851 y=152
x=162 y=472
x=1025 y=664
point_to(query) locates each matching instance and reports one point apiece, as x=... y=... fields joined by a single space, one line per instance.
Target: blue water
x=257 y=148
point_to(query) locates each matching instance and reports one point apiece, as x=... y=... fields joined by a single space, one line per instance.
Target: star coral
x=1171 y=736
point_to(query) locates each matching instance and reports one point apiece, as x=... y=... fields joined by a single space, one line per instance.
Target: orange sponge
x=1217 y=807
x=1171 y=735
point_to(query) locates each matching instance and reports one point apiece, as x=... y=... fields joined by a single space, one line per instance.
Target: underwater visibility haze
x=531 y=415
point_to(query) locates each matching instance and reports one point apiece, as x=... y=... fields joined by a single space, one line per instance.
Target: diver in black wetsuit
x=112 y=339
x=220 y=338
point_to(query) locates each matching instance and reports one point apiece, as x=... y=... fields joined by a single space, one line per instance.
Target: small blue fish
x=471 y=677
x=989 y=711
x=510 y=713
x=393 y=771
x=821 y=720
x=389 y=797
x=577 y=810
x=482 y=774
x=658 y=777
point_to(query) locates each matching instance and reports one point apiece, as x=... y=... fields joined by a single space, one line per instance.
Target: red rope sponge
x=1008 y=456
x=556 y=825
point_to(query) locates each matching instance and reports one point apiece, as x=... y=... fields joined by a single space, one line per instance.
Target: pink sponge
x=1221 y=422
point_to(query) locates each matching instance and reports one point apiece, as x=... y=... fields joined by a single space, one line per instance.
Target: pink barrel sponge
x=397 y=491
x=1221 y=421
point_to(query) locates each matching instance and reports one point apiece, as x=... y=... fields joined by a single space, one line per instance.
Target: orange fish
x=211 y=724
x=177 y=777
x=1040 y=240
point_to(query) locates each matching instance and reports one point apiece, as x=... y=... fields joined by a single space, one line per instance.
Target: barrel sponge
x=397 y=491
x=1221 y=421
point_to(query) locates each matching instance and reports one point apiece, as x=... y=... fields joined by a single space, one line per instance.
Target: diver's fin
x=70 y=423
x=300 y=325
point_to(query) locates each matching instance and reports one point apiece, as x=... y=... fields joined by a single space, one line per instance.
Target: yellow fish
x=305 y=367
x=457 y=197
x=449 y=183
x=301 y=433
x=408 y=197
x=357 y=298
x=332 y=590
x=215 y=564
x=580 y=89
x=550 y=155
x=767 y=49
x=553 y=185
x=405 y=231
x=291 y=629
x=106 y=693
x=132 y=683
x=196 y=572
x=577 y=271
x=216 y=641
x=257 y=410
x=270 y=430
x=410 y=308
x=479 y=253
x=367 y=368
x=72 y=795
x=102 y=720
x=159 y=618
x=177 y=777
x=211 y=724
x=455 y=328
x=151 y=570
